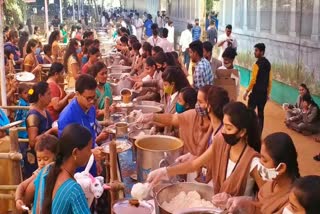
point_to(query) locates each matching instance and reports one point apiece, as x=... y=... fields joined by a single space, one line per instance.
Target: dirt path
x=306 y=146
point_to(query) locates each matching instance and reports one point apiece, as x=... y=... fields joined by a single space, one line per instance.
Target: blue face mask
x=180 y=108
x=38 y=51
x=202 y=112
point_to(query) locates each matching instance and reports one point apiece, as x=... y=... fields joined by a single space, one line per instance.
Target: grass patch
x=290 y=74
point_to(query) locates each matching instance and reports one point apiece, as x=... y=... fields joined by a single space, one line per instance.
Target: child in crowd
x=21 y=114
x=46 y=146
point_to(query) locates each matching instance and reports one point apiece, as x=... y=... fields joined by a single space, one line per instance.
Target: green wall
x=280 y=93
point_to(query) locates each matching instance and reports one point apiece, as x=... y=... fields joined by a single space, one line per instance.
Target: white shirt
x=170 y=33
x=156 y=76
x=73 y=34
x=154 y=41
x=159 y=21
x=123 y=24
x=134 y=30
x=103 y=21
x=185 y=39
x=223 y=37
x=146 y=78
x=173 y=96
x=166 y=45
x=138 y=23
x=250 y=180
x=170 y=101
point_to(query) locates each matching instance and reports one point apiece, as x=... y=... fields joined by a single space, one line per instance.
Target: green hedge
x=280 y=93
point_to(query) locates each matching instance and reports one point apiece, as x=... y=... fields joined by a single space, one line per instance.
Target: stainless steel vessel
x=133 y=135
x=152 y=150
x=168 y=192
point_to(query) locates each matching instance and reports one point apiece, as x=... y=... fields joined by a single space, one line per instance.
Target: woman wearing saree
x=38 y=121
x=59 y=98
x=30 y=62
x=99 y=72
x=72 y=62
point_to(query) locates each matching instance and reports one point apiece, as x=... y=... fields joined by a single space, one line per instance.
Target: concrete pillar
x=224 y=5
x=2 y=65
x=258 y=19
x=181 y=8
x=315 y=21
x=293 y=13
x=189 y=9
x=274 y=17
x=202 y=16
x=245 y=14
x=233 y=21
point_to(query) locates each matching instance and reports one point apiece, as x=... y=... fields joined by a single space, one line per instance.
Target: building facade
x=290 y=30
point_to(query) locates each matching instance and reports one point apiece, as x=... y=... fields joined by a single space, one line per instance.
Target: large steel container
x=153 y=151
x=168 y=192
x=148 y=103
x=148 y=108
x=202 y=211
x=133 y=135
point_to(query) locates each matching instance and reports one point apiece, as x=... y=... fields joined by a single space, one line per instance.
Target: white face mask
x=146 y=78
x=267 y=174
x=286 y=211
x=229 y=65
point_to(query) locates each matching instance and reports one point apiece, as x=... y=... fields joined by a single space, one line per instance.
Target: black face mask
x=231 y=139
x=161 y=69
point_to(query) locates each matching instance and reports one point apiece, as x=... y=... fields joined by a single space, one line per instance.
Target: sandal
x=317 y=139
x=317 y=157
x=306 y=133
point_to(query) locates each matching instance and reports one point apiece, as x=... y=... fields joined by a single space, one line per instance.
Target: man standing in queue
x=202 y=74
x=260 y=83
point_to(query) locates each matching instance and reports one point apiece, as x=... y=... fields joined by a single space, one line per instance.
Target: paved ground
x=306 y=146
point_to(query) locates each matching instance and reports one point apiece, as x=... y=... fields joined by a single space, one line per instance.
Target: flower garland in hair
x=31 y=91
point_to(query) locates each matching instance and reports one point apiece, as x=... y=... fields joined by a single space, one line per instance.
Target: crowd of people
x=222 y=137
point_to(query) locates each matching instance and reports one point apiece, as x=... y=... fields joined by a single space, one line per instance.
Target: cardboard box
x=229 y=85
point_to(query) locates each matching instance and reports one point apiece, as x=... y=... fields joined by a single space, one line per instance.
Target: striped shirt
x=202 y=75
x=70 y=199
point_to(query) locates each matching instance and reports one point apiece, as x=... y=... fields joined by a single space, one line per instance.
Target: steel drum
x=152 y=150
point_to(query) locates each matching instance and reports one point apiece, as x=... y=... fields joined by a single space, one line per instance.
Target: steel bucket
x=153 y=150
x=117 y=87
x=168 y=192
x=121 y=129
x=133 y=135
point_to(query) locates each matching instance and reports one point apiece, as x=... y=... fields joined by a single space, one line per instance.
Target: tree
x=14 y=11
x=209 y=5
